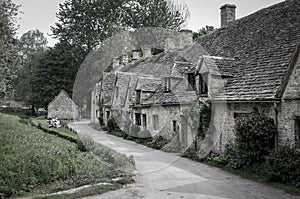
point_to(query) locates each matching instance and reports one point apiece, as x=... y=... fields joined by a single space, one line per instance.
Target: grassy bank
x=35 y=163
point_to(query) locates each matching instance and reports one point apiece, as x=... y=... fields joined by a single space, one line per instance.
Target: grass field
x=33 y=162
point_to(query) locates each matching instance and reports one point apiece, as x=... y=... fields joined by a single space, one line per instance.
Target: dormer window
x=202 y=84
x=138 y=96
x=167 y=84
x=191 y=81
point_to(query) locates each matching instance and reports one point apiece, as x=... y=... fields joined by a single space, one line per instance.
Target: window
x=144 y=116
x=138 y=119
x=175 y=126
x=167 y=84
x=107 y=115
x=203 y=86
x=191 y=81
x=297 y=133
x=155 y=122
x=138 y=96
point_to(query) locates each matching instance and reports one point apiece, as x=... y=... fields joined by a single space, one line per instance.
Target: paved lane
x=164 y=175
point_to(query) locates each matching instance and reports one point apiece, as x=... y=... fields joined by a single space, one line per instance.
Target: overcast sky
x=40 y=14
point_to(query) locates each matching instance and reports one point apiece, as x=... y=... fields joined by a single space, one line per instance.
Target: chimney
x=186 y=38
x=125 y=59
x=116 y=62
x=227 y=14
x=146 y=51
x=170 y=44
x=135 y=55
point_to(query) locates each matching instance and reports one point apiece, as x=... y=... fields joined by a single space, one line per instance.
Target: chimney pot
x=228 y=14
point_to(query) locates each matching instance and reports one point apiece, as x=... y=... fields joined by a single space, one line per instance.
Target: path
x=165 y=175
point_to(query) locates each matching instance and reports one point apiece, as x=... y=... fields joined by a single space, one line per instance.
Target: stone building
x=63 y=107
x=253 y=63
x=248 y=64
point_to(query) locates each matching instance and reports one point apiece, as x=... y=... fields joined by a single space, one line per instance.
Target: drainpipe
x=276 y=123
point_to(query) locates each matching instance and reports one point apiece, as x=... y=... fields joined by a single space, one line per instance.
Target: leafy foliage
x=112 y=125
x=283 y=165
x=203 y=31
x=254 y=138
x=32 y=44
x=87 y=23
x=9 y=58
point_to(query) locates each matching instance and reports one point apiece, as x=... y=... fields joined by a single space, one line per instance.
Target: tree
x=203 y=31
x=87 y=23
x=83 y=25
x=54 y=70
x=32 y=44
x=9 y=58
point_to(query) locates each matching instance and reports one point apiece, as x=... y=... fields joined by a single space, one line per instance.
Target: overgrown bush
x=112 y=125
x=158 y=142
x=134 y=129
x=283 y=165
x=144 y=134
x=254 y=138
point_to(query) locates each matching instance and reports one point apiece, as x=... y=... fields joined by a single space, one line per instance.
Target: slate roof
x=158 y=66
x=108 y=85
x=263 y=42
x=220 y=66
x=177 y=96
x=180 y=69
x=148 y=84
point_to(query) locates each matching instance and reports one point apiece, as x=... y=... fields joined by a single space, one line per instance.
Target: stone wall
x=166 y=116
x=225 y=116
x=289 y=109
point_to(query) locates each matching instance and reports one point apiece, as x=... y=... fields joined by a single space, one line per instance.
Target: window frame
x=138 y=120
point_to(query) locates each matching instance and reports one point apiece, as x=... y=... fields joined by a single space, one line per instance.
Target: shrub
x=158 y=142
x=254 y=138
x=283 y=165
x=112 y=125
x=220 y=160
x=144 y=134
x=134 y=129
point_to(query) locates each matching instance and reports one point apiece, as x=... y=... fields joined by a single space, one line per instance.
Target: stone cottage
x=138 y=94
x=253 y=63
x=248 y=64
x=63 y=107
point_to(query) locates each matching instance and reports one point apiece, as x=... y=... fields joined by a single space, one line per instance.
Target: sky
x=41 y=14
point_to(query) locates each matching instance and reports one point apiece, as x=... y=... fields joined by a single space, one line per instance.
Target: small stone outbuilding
x=63 y=107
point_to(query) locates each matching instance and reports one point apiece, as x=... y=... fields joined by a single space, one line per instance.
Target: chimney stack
x=186 y=38
x=125 y=59
x=170 y=44
x=146 y=51
x=135 y=55
x=227 y=14
x=116 y=62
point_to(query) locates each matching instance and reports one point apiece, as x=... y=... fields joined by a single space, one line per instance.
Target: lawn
x=35 y=163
